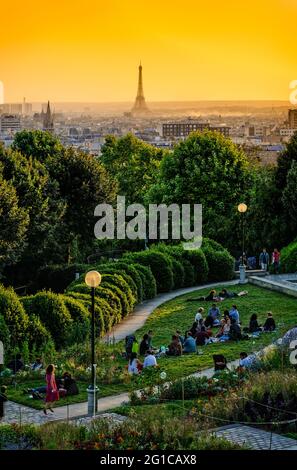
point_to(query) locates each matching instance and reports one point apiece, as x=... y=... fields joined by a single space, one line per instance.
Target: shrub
x=289 y=258
x=81 y=320
x=198 y=261
x=209 y=243
x=178 y=273
x=37 y=333
x=129 y=273
x=4 y=334
x=220 y=264
x=58 y=277
x=159 y=264
x=189 y=279
x=119 y=281
x=14 y=314
x=52 y=312
x=148 y=281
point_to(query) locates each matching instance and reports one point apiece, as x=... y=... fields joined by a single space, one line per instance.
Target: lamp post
x=92 y=279
x=242 y=208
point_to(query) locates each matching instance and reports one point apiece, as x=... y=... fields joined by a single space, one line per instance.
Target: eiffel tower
x=140 y=106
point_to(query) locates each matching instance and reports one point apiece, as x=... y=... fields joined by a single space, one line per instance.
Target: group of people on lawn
x=228 y=328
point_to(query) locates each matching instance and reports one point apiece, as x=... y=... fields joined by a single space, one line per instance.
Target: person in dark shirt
x=254 y=325
x=16 y=364
x=202 y=336
x=144 y=345
x=269 y=324
x=235 y=331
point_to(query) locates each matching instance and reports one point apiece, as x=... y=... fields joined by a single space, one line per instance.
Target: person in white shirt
x=133 y=366
x=150 y=360
x=199 y=314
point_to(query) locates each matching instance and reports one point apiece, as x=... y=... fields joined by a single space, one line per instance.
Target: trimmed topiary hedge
x=37 y=334
x=159 y=264
x=288 y=258
x=53 y=314
x=15 y=317
x=189 y=279
x=148 y=281
x=198 y=261
x=178 y=273
x=221 y=265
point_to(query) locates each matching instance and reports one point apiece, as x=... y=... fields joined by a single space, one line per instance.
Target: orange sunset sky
x=70 y=50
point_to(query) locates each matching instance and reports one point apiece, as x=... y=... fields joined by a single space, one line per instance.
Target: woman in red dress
x=52 y=392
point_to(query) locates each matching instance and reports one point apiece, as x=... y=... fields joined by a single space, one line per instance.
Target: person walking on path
x=52 y=393
x=275 y=260
x=264 y=260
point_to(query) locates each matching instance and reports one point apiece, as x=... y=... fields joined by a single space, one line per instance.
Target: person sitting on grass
x=174 y=348
x=199 y=314
x=224 y=328
x=235 y=331
x=134 y=365
x=254 y=325
x=194 y=329
x=150 y=360
x=189 y=344
x=144 y=345
x=269 y=324
x=234 y=314
x=202 y=337
x=213 y=316
x=180 y=337
x=37 y=365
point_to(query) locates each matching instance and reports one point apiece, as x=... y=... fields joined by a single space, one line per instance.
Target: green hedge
x=178 y=273
x=104 y=313
x=52 y=312
x=198 y=261
x=189 y=279
x=159 y=264
x=289 y=258
x=37 y=334
x=148 y=281
x=79 y=313
x=14 y=315
x=4 y=333
x=220 y=264
x=128 y=272
x=120 y=282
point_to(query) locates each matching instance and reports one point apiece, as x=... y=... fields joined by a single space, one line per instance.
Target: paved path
x=255 y=439
x=140 y=314
x=24 y=414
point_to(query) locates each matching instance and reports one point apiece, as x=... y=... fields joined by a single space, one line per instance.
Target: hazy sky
x=74 y=50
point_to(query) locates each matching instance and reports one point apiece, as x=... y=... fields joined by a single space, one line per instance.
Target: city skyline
x=207 y=52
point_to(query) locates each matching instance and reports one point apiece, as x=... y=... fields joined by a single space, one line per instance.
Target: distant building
x=292 y=118
x=48 y=119
x=140 y=106
x=10 y=123
x=287 y=132
x=183 y=129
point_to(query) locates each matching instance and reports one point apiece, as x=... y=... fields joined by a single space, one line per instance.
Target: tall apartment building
x=10 y=123
x=292 y=118
x=183 y=129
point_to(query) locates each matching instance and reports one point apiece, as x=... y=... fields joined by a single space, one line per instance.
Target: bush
x=148 y=281
x=4 y=334
x=118 y=281
x=14 y=314
x=103 y=311
x=37 y=333
x=81 y=320
x=52 y=312
x=289 y=258
x=129 y=273
x=58 y=277
x=159 y=264
x=208 y=243
x=178 y=273
x=189 y=279
x=220 y=264
x=198 y=261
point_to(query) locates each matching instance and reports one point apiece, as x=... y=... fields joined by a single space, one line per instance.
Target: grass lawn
x=176 y=408
x=179 y=314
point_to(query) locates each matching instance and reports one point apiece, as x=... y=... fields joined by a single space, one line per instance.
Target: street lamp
x=242 y=208
x=93 y=279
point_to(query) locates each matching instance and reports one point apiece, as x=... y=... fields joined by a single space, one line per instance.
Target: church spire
x=48 y=120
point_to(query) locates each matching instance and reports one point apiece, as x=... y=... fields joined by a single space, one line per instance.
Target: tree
x=205 y=169
x=39 y=196
x=83 y=184
x=289 y=198
x=13 y=224
x=37 y=144
x=133 y=163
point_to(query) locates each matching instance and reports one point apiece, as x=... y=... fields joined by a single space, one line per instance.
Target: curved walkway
x=140 y=314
